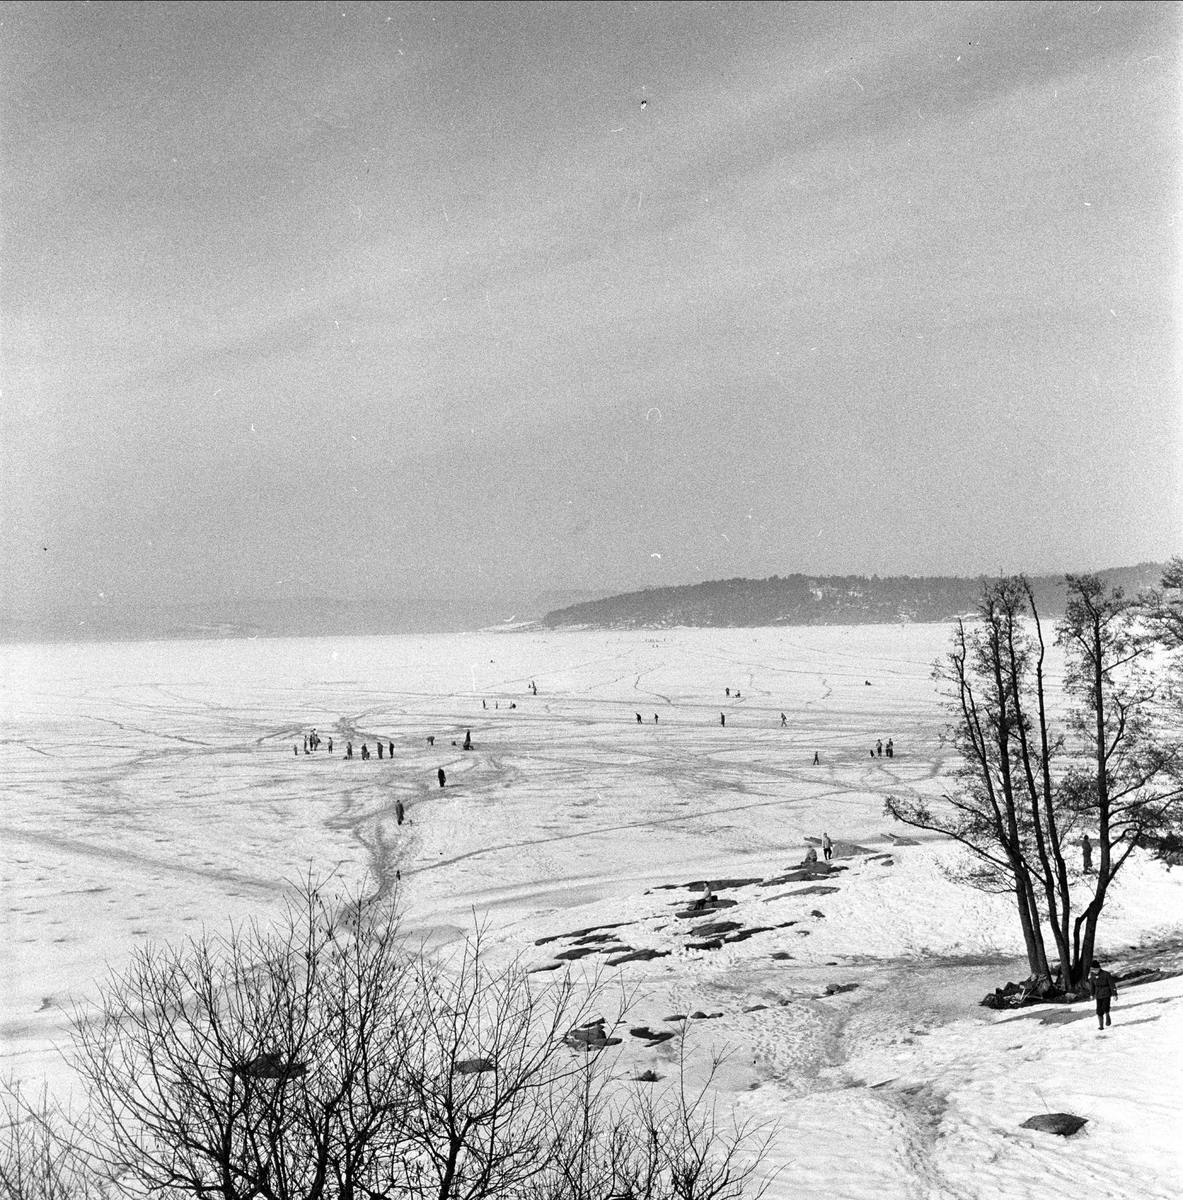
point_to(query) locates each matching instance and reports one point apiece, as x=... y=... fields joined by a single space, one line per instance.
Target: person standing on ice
x=1086 y=849
x=816 y=761
x=330 y=745
x=638 y=718
x=467 y=739
x=723 y=719
x=399 y=811
x=1103 y=987
x=827 y=847
x=348 y=749
x=783 y=720
x=441 y=776
x=879 y=747
x=890 y=748
x=389 y=749
x=379 y=749
x=296 y=750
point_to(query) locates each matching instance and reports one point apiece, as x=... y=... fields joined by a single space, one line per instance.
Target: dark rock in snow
x=712 y=927
x=473 y=1066
x=1064 y=1124
x=637 y=956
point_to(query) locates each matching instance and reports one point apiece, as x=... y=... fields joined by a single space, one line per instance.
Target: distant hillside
x=816 y=600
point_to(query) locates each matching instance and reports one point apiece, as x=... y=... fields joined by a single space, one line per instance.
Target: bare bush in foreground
x=320 y=1059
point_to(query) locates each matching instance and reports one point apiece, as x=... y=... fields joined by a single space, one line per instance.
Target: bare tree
x=1022 y=790
x=1128 y=786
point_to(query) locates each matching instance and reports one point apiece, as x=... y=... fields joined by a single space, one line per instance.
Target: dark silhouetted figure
x=728 y=691
x=783 y=720
x=305 y=743
x=723 y=719
x=330 y=745
x=468 y=739
x=484 y=705
x=365 y=751
x=379 y=749
x=442 y=777
x=890 y=748
x=816 y=760
x=390 y=749
x=431 y=740
x=348 y=749
x=399 y=811
x=1104 y=989
x=1086 y=848
x=737 y=693
x=655 y=718
x=296 y=751
x=879 y=747
x=638 y=718
x=534 y=686
x=827 y=847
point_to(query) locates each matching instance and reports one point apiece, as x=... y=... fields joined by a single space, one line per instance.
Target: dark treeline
x=818 y=600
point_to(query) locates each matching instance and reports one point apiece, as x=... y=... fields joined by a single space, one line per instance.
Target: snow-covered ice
x=151 y=789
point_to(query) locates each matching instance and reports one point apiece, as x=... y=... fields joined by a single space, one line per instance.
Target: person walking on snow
x=442 y=777
x=827 y=847
x=783 y=720
x=1103 y=987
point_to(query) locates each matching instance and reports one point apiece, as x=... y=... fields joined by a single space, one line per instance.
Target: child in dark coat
x=1104 y=989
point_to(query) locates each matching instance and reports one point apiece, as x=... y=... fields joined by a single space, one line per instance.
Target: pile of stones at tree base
x=1044 y=991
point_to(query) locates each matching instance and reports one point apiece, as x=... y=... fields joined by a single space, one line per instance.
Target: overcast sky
x=349 y=299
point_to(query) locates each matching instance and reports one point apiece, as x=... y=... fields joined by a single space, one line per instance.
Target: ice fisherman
x=811 y=855
x=348 y=749
x=399 y=811
x=441 y=776
x=890 y=748
x=723 y=719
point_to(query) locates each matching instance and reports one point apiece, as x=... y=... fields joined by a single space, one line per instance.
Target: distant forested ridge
x=817 y=600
